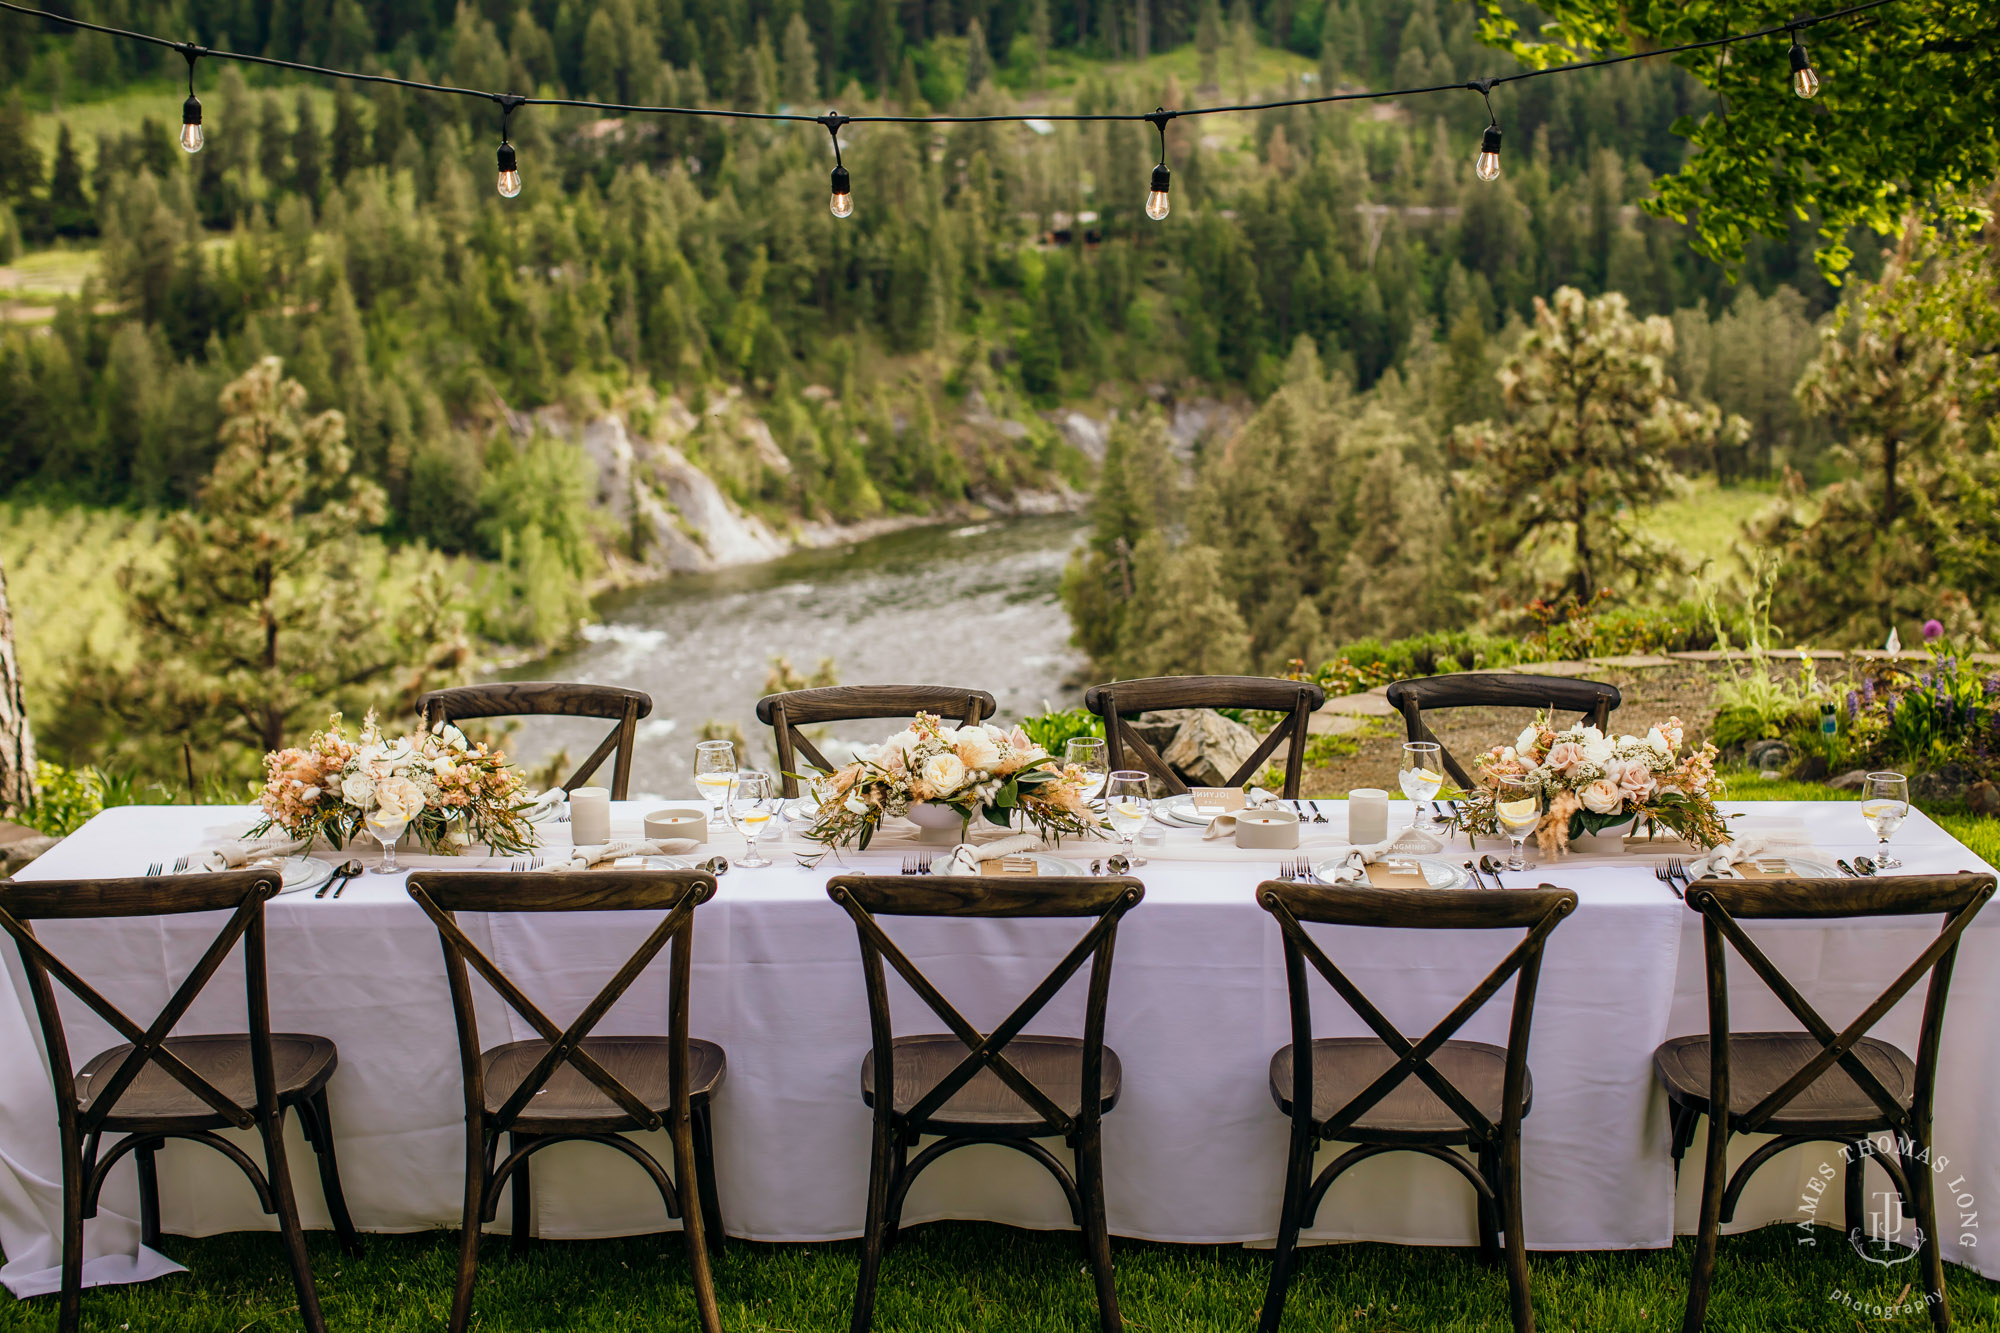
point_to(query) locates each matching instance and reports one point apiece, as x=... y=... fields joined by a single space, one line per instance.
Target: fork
x=909 y=865
x=1664 y=874
x=180 y=866
x=1678 y=867
x=153 y=869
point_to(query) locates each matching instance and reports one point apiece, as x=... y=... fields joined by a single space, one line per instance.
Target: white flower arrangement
x=1589 y=781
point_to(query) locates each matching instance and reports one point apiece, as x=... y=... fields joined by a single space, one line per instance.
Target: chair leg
x=1681 y=1122
x=468 y=1241
x=879 y=1179
x=144 y=1159
x=693 y=1224
x=1488 y=1210
x=1298 y=1178
x=1714 y=1178
x=1096 y=1231
x=280 y=1173
x=1924 y=1186
x=892 y=1221
x=704 y=1165
x=1509 y=1163
x=1855 y=1190
x=522 y=1190
x=318 y=1120
x=70 y=1315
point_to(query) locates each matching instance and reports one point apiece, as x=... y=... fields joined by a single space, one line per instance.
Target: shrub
x=1057 y=727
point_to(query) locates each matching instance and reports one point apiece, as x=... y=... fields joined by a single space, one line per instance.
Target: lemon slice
x=1425 y=775
x=1876 y=809
x=1520 y=809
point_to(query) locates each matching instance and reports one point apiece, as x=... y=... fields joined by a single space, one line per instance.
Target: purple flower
x=1992 y=687
x=1868 y=691
x=1933 y=631
x=1853 y=705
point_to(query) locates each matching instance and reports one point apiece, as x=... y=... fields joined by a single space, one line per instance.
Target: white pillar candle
x=590 y=816
x=1367 y=816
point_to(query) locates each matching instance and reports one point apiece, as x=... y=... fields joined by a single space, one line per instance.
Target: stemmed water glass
x=714 y=771
x=1518 y=808
x=1885 y=807
x=1126 y=801
x=385 y=831
x=753 y=800
x=1088 y=753
x=1423 y=779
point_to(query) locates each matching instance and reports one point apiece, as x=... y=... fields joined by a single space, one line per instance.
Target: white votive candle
x=1367 y=816
x=590 y=816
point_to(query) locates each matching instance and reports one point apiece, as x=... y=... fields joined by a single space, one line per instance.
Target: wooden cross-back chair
x=999 y=1087
x=1592 y=700
x=567 y=1085
x=158 y=1086
x=1822 y=1084
x=1387 y=1093
x=620 y=706
x=1125 y=748
x=785 y=713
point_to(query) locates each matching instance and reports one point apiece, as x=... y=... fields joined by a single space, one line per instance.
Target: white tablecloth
x=1194 y=1150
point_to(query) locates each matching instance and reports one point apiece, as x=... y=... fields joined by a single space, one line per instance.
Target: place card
x=1397 y=875
x=1011 y=866
x=1765 y=867
x=1217 y=800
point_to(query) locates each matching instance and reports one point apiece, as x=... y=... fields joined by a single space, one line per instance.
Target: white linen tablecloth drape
x=1194 y=1150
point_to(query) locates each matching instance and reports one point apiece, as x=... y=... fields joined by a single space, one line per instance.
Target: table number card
x=1397 y=875
x=1217 y=800
x=1011 y=866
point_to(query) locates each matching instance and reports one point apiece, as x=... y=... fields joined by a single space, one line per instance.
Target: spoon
x=1117 y=865
x=1865 y=865
x=1097 y=866
x=715 y=865
x=338 y=883
x=1477 y=882
x=1491 y=865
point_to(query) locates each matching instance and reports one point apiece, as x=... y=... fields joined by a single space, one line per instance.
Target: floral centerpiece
x=976 y=770
x=1589 y=781
x=452 y=791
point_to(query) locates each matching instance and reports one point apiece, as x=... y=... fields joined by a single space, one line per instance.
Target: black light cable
x=191 y=136
x=509 y=181
x=841 y=203
x=1487 y=165
x=1157 y=204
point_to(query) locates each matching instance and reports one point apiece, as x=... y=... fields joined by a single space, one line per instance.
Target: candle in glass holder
x=1367 y=816
x=590 y=816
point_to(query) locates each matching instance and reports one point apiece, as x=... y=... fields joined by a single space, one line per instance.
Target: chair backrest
x=1297 y=700
x=553 y=699
x=444 y=894
x=866 y=897
x=241 y=893
x=1538 y=911
x=785 y=713
x=1592 y=699
x=1723 y=904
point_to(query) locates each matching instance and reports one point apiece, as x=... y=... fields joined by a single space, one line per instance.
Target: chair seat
x=1343 y=1066
x=300 y=1066
x=1761 y=1061
x=572 y=1104
x=986 y=1105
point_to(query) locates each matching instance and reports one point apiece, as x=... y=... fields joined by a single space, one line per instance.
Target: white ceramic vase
x=937 y=823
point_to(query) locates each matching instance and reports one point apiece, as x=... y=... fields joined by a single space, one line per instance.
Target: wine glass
x=1125 y=805
x=1423 y=779
x=1885 y=806
x=1088 y=754
x=714 y=770
x=1518 y=808
x=385 y=831
x=753 y=800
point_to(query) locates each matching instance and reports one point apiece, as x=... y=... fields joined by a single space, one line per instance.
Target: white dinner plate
x=1439 y=874
x=300 y=873
x=1180 y=810
x=1805 y=867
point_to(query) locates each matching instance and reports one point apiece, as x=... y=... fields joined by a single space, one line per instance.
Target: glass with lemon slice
x=1885 y=805
x=1423 y=778
x=1517 y=808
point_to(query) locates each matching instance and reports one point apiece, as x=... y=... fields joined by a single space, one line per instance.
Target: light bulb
x=191 y=124
x=1488 y=165
x=1805 y=79
x=1157 y=203
x=509 y=183
x=841 y=205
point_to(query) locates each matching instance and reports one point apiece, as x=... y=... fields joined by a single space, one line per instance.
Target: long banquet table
x=1193 y=1151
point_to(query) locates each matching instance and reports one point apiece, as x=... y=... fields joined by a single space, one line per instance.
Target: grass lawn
x=964 y=1275
x=1707 y=522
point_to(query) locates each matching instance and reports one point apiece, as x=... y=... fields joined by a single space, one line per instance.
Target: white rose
x=945 y=773
x=1603 y=797
x=977 y=749
x=854 y=805
x=1526 y=740
x=1597 y=747
x=358 y=790
x=399 y=799
x=1658 y=741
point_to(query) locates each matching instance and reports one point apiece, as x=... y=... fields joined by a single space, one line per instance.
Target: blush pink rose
x=1602 y=797
x=1564 y=756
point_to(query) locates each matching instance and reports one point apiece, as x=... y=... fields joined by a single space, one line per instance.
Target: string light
x=1805 y=79
x=841 y=202
x=1805 y=82
x=509 y=182
x=1487 y=165
x=191 y=136
x=1157 y=203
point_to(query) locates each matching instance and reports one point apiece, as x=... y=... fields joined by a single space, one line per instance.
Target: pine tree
x=272 y=136
x=1038 y=33
x=350 y=141
x=801 y=63
x=69 y=207
x=308 y=152
x=1208 y=42
x=978 y=60
x=20 y=160
x=17 y=736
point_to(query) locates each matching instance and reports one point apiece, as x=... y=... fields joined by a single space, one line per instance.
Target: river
x=971 y=605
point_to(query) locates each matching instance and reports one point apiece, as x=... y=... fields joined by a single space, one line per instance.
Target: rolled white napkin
x=1353 y=863
x=587 y=858
x=235 y=853
x=549 y=805
x=1224 y=826
x=965 y=858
